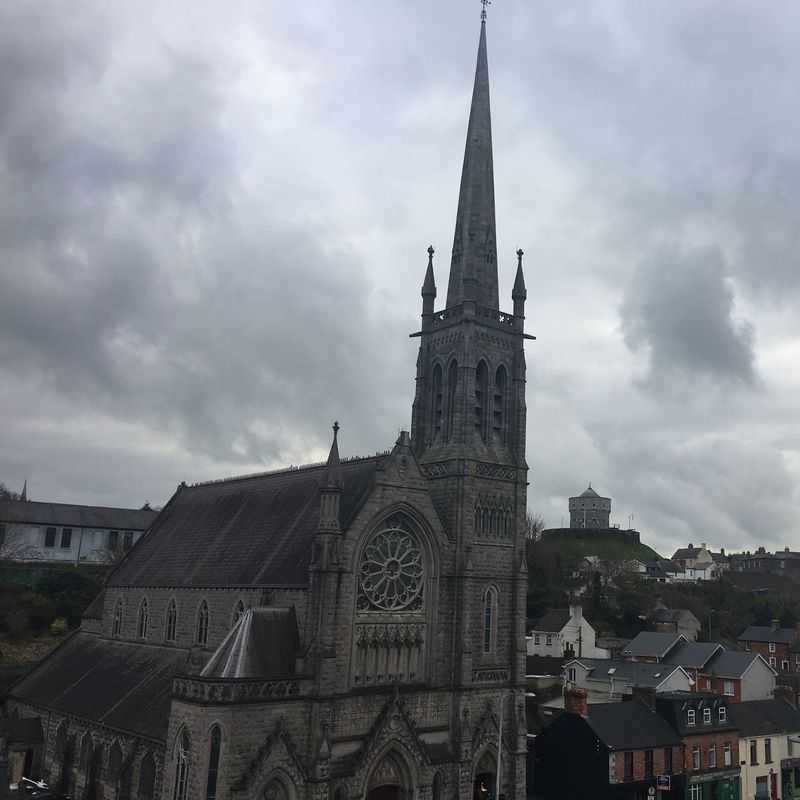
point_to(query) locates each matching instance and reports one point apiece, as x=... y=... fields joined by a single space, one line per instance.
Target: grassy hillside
x=573 y=545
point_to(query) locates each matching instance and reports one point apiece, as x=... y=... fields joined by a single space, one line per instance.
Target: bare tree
x=7 y=494
x=534 y=525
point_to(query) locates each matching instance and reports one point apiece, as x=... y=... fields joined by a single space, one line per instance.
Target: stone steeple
x=473 y=269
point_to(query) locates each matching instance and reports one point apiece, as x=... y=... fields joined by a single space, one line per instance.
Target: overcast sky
x=214 y=218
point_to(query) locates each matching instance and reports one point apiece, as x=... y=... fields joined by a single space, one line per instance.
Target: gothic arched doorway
x=390 y=780
x=483 y=784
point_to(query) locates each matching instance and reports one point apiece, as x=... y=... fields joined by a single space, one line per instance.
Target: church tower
x=468 y=423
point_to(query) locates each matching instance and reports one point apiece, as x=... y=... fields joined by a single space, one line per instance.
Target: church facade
x=353 y=629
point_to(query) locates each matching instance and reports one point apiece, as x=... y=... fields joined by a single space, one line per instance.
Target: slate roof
x=635 y=673
x=765 y=633
x=652 y=644
x=253 y=530
x=262 y=644
x=731 y=664
x=692 y=654
x=95 y=609
x=630 y=726
x=589 y=493
x=75 y=516
x=124 y=685
x=673 y=706
x=765 y=717
x=553 y=620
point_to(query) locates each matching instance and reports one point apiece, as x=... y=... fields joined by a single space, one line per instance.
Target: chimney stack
x=775 y=624
x=575 y=701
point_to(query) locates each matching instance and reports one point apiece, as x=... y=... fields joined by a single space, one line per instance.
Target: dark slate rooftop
x=765 y=717
x=652 y=644
x=766 y=633
x=253 y=530
x=636 y=673
x=630 y=726
x=693 y=654
x=74 y=516
x=553 y=620
x=262 y=644
x=123 y=685
x=731 y=663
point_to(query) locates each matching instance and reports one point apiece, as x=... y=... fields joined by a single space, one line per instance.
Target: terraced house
x=345 y=630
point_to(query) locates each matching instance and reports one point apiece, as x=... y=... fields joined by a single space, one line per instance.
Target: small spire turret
x=519 y=293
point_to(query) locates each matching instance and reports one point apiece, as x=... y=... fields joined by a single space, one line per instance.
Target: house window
x=726 y=754
x=696 y=757
x=50 y=537
x=753 y=752
x=667 y=760
x=690 y=717
x=712 y=757
x=201 y=635
x=723 y=714
x=706 y=716
x=696 y=792
x=536 y=638
x=127 y=540
x=628 y=766
x=648 y=763
x=727 y=689
x=213 y=763
x=142 y=627
x=767 y=751
x=549 y=639
x=773 y=662
x=490 y=620
x=772 y=647
x=66 y=538
x=785 y=665
x=172 y=621
x=571 y=674
x=113 y=540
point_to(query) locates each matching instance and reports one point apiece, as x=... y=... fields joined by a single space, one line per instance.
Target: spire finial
x=335 y=429
x=520 y=253
x=484 y=3
x=431 y=251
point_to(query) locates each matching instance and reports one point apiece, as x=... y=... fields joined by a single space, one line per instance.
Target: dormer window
x=690 y=717
x=723 y=714
x=706 y=716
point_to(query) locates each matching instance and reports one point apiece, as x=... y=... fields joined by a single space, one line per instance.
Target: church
x=347 y=630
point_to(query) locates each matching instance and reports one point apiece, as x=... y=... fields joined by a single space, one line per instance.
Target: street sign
x=664 y=782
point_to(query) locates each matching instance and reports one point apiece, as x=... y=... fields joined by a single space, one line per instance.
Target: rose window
x=391 y=572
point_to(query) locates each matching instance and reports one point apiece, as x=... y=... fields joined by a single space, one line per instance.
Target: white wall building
x=63 y=533
x=564 y=632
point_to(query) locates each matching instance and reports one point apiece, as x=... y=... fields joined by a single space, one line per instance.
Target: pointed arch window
x=499 y=404
x=213 y=763
x=141 y=627
x=182 y=754
x=437 y=401
x=490 y=620
x=481 y=399
x=201 y=636
x=116 y=629
x=238 y=611
x=452 y=385
x=171 y=626
x=147 y=777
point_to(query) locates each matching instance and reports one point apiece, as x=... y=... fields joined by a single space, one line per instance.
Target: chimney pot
x=775 y=624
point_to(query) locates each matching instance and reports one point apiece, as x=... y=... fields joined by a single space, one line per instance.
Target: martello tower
x=468 y=422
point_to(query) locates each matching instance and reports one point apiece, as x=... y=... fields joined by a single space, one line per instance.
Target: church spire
x=473 y=269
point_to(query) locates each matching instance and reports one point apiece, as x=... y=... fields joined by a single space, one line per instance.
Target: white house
x=769 y=746
x=563 y=632
x=60 y=532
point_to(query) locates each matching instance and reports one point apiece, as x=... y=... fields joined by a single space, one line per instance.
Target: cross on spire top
x=484 y=3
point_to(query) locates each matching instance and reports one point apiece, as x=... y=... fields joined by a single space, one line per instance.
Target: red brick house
x=773 y=643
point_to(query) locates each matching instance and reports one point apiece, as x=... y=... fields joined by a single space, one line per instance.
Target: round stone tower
x=589 y=510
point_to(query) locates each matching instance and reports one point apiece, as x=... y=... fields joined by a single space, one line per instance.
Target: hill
x=612 y=545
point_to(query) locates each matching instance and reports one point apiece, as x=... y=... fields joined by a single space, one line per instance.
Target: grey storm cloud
x=680 y=306
x=213 y=224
